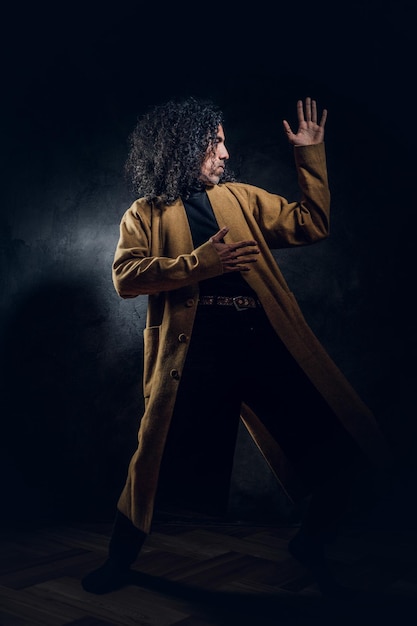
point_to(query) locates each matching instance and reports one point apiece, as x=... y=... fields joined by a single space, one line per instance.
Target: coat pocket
x=150 y=354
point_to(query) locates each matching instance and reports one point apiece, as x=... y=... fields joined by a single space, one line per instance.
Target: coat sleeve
x=136 y=270
x=305 y=221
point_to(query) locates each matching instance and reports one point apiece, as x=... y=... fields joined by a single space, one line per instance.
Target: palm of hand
x=308 y=133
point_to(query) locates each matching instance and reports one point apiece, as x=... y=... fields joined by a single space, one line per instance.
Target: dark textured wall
x=75 y=82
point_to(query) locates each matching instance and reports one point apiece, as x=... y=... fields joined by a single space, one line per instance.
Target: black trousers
x=235 y=356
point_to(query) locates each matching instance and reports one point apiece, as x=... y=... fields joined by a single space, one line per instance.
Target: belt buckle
x=241 y=303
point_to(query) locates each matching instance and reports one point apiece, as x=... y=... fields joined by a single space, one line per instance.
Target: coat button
x=174 y=374
x=182 y=338
x=189 y=302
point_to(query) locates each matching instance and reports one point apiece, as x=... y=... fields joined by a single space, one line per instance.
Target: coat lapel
x=228 y=213
x=175 y=222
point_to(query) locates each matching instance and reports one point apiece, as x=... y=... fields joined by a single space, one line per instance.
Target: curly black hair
x=168 y=147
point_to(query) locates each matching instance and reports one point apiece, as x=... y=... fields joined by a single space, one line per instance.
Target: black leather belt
x=241 y=303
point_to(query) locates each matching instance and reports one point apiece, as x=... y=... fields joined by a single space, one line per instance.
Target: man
x=224 y=338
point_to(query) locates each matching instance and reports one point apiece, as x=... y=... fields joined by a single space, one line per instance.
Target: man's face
x=213 y=165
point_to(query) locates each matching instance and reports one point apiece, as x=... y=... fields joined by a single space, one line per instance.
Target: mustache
x=228 y=175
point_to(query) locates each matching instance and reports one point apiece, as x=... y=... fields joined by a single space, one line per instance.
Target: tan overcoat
x=155 y=256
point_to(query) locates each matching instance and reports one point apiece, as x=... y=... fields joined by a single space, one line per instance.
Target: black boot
x=125 y=544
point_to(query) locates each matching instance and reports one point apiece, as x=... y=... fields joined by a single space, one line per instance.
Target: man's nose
x=224 y=153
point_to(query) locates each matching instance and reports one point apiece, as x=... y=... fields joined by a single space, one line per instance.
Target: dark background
x=74 y=79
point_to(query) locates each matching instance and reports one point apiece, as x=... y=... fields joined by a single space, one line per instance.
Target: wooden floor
x=205 y=573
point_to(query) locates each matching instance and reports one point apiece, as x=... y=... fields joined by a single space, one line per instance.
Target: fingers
x=287 y=127
x=300 y=112
x=240 y=261
x=313 y=108
x=236 y=256
x=217 y=238
x=308 y=109
x=308 y=112
x=314 y=116
x=250 y=244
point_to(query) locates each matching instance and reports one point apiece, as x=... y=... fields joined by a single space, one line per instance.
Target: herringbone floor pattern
x=205 y=573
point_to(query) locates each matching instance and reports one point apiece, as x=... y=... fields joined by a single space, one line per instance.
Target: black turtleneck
x=203 y=225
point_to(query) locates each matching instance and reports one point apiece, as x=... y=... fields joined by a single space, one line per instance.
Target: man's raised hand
x=309 y=130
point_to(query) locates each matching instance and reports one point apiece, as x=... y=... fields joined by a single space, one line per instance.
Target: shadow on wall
x=65 y=430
